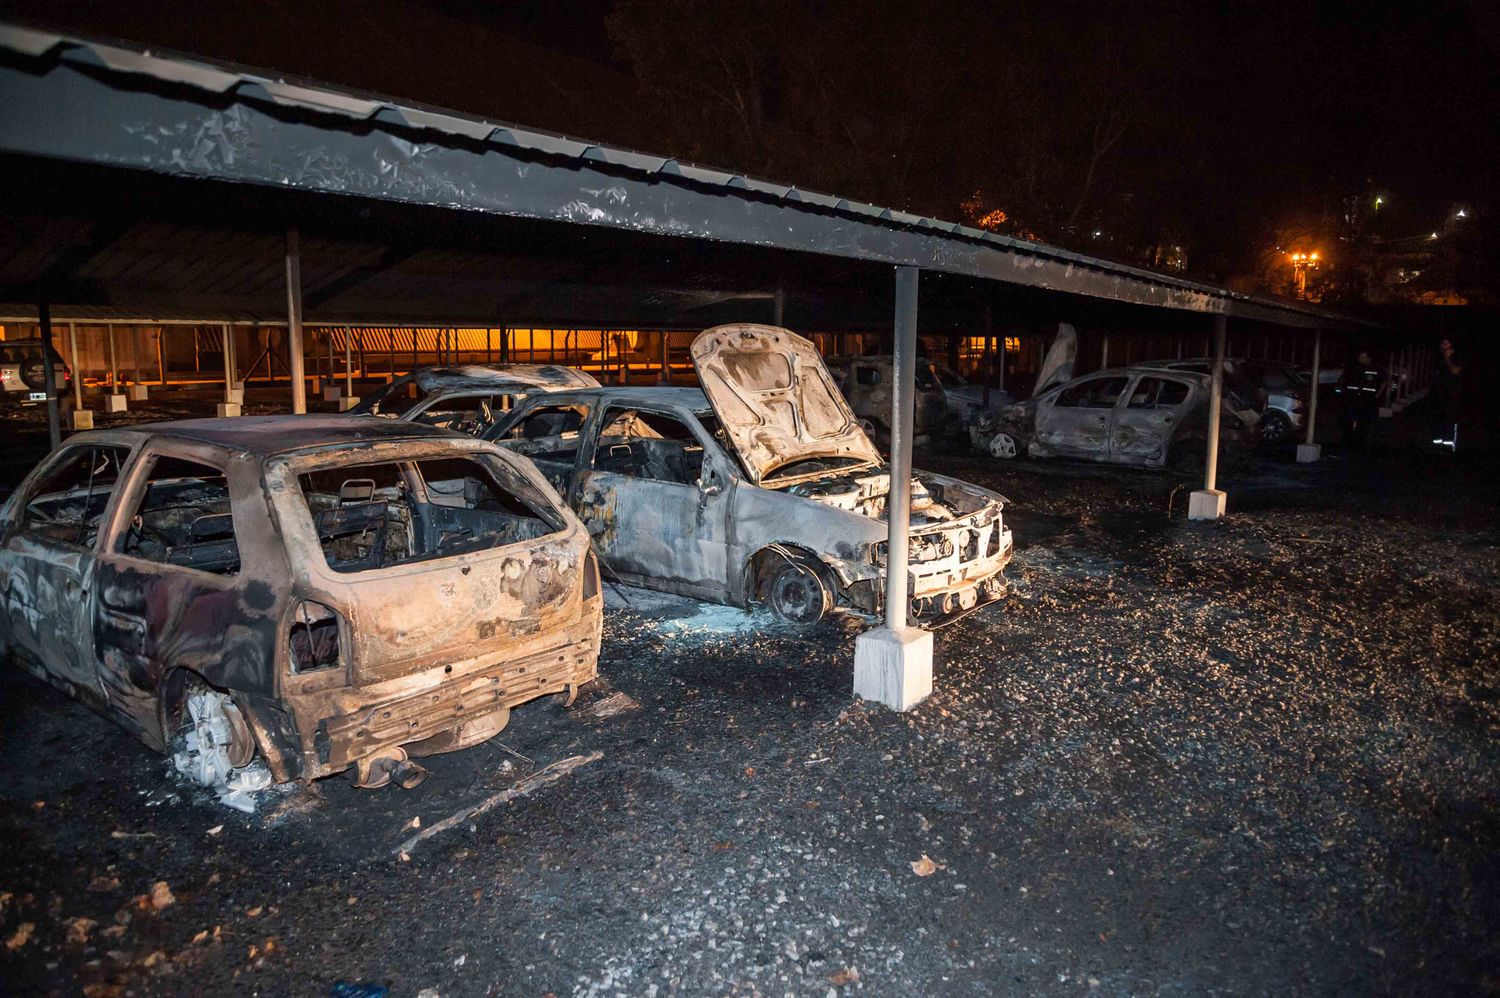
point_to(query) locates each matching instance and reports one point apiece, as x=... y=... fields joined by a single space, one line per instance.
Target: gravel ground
x=1251 y=757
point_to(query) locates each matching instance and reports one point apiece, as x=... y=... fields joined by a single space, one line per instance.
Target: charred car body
x=319 y=594
x=468 y=398
x=1143 y=416
x=759 y=486
x=867 y=383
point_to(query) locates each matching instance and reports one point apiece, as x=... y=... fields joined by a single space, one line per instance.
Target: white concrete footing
x=136 y=393
x=1309 y=453
x=349 y=403
x=1206 y=504
x=115 y=403
x=332 y=393
x=80 y=419
x=236 y=396
x=229 y=409
x=894 y=667
x=1386 y=412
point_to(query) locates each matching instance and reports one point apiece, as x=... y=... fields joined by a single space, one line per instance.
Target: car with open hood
x=760 y=486
x=297 y=595
x=1148 y=417
x=468 y=398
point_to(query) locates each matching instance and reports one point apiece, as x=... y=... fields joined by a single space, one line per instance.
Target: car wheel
x=1274 y=426
x=34 y=375
x=868 y=426
x=798 y=594
x=1004 y=446
x=212 y=739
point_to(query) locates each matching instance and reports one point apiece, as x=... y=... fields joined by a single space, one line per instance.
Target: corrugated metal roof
x=248 y=85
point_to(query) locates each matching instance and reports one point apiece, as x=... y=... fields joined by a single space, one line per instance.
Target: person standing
x=1362 y=386
x=1447 y=384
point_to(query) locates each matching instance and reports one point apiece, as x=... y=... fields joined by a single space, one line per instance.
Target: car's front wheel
x=1274 y=426
x=798 y=594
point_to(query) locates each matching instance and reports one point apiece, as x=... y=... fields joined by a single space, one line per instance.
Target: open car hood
x=1057 y=366
x=775 y=398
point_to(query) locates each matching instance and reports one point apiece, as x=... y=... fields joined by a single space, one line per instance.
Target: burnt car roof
x=433 y=379
x=692 y=399
x=267 y=435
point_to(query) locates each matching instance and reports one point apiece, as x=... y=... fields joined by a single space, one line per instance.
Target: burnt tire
x=797 y=592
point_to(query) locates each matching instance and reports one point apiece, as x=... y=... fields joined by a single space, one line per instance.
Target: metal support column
x=1208 y=502
x=987 y=369
x=294 y=320
x=893 y=664
x=1309 y=450
x=114 y=375
x=49 y=374
x=77 y=368
x=666 y=358
x=1104 y=353
x=348 y=367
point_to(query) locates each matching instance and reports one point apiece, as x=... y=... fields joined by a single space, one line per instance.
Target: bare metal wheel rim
x=1003 y=445
x=798 y=595
x=214 y=739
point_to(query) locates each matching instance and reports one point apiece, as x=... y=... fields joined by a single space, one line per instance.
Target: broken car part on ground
x=317 y=594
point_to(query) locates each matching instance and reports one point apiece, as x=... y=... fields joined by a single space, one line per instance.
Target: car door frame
x=74 y=568
x=710 y=499
x=1101 y=415
x=1170 y=424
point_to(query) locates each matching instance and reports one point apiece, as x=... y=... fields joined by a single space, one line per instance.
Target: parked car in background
x=867 y=382
x=761 y=486
x=1143 y=416
x=23 y=373
x=301 y=595
x=965 y=399
x=1274 y=390
x=468 y=398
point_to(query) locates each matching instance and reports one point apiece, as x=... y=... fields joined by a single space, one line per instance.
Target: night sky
x=1118 y=128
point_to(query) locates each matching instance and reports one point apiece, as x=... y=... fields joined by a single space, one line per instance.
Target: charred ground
x=1254 y=756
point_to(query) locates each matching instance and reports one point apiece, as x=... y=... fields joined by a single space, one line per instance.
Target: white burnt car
x=468 y=398
x=760 y=486
x=297 y=595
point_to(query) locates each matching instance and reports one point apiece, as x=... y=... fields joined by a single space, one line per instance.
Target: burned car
x=469 y=398
x=866 y=384
x=1143 y=416
x=761 y=486
x=298 y=595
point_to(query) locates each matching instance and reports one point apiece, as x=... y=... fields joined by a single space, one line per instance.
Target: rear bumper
x=449 y=711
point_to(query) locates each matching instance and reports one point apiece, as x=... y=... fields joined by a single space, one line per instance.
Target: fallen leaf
x=415 y=822
x=846 y=976
x=216 y=830
x=254 y=912
x=104 y=883
x=21 y=936
x=924 y=867
x=78 y=930
x=161 y=895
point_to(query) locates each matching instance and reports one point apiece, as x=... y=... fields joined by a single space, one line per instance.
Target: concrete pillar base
x=137 y=393
x=235 y=396
x=80 y=419
x=894 y=667
x=1206 y=504
x=115 y=403
x=332 y=393
x=1309 y=453
x=1386 y=412
x=348 y=403
x=237 y=386
x=229 y=409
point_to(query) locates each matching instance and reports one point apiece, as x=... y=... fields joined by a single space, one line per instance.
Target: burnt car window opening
x=1158 y=393
x=472 y=414
x=67 y=504
x=1096 y=393
x=395 y=399
x=183 y=519
x=548 y=435
x=648 y=445
x=373 y=516
x=866 y=375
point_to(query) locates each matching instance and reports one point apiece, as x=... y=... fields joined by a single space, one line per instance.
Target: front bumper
x=953 y=582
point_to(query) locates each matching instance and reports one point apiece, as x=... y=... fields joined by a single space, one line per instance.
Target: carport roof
x=109 y=106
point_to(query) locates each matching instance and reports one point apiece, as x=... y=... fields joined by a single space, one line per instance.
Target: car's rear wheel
x=797 y=593
x=1274 y=426
x=1004 y=446
x=212 y=738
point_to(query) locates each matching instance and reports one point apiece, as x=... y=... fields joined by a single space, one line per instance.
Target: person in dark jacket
x=1362 y=386
x=1447 y=384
